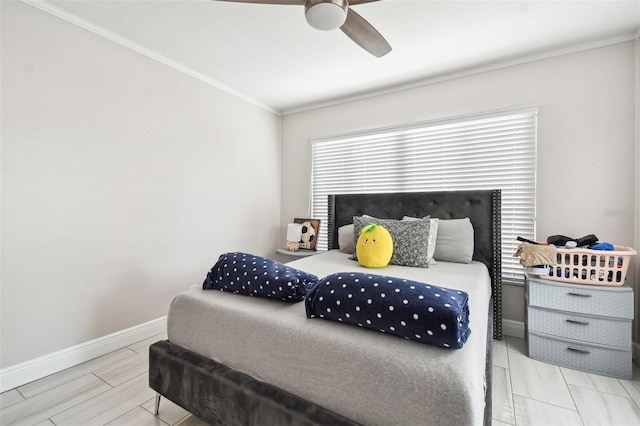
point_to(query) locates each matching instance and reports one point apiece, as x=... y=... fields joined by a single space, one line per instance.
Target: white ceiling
x=269 y=55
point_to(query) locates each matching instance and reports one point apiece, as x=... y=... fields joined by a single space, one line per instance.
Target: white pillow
x=433 y=234
x=346 y=240
x=455 y=241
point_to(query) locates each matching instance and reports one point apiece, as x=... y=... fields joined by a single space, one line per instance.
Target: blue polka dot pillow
x=410 y=309
x=243 y=273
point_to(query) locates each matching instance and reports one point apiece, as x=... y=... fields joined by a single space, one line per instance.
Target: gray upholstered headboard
x=481 y=207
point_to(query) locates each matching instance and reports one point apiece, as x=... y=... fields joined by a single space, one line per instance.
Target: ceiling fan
x=329 y=15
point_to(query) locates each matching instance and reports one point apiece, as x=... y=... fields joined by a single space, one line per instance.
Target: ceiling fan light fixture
x=326 y=15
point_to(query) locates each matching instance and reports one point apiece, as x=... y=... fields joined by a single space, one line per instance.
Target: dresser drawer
x=580 y=356
x=600 y=330
x=614 y=302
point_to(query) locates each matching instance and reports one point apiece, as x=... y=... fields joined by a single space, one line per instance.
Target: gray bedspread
x=364 y=375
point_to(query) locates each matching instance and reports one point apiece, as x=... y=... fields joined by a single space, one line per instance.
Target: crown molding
x=452 y=75
x=446 y=76
x=124 y=42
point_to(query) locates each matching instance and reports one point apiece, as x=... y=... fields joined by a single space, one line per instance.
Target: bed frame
x=483 y=208
x=220 y=395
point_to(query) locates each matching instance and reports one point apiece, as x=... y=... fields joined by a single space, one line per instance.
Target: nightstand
x=583 y=327
x=298 y=253
x=290 y=256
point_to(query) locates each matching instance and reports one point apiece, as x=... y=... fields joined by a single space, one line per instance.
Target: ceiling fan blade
x=362 y=32
x=291 y=2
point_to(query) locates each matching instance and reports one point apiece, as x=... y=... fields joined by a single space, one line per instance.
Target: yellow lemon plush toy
x=374 y=247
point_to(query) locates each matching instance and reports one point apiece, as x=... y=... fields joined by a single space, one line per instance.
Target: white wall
x=122 y=181
x=586 y=138
x=636 y=212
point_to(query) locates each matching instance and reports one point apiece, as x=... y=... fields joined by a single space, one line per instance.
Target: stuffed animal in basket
x=375 y=246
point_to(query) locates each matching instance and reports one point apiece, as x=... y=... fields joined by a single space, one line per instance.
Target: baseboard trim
x=635 y=352
x=513 y=328
x=28 y=371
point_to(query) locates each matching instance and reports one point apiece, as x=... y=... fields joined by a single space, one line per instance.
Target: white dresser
x=583 y=327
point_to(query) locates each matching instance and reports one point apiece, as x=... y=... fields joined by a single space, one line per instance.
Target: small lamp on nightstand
x=294 y=233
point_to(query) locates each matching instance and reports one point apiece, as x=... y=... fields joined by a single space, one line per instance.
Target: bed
x=236 y=360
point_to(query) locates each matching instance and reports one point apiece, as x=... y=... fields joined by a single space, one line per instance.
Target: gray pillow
x=410 y=239
x=433 y=234
x=455 y=241
x=346 y=240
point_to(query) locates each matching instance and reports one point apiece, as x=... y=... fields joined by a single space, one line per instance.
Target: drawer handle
x=577 y=322
x=579 y=294
x=580 y=351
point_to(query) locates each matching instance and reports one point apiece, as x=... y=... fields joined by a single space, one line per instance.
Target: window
x=488 y=151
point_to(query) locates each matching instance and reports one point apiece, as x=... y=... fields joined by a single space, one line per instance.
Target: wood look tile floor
x=113 y=390
x=529 y=392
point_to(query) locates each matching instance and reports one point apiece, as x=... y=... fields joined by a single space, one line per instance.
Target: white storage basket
x=593 y=267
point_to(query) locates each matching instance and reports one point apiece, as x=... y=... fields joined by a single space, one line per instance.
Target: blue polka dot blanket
x=244 y=273
x=417 y=311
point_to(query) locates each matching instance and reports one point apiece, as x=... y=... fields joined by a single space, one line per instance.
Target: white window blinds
x=489 y=151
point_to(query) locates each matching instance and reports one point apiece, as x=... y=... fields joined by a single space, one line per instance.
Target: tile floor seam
x=548 y=403
x=573 y=399
x=103 y=380
x=134 y=353
x=576 y=405
x=159 y=419
x=539 y=376
x=15 y=402
x=21 y=394
x=515 y=417
x=513 y=405
x=601 y=391
x=127 y=412
x=637 y=403
x=158 y=416
x=112 y=388
x=53 y=414
x=634 y=401
x=607 y=412
x=81 y=402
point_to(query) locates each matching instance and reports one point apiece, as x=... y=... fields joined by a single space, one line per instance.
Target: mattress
x=364 y=375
